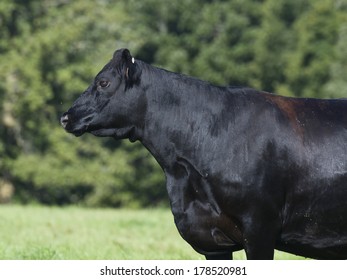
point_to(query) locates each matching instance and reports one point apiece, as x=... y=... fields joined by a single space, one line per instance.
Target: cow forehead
x=108 y=68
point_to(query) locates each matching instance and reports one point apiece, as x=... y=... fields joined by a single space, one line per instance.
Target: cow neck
x=176 y=105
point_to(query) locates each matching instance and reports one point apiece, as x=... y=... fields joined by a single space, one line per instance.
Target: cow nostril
x=88 y=119
x=64 y=120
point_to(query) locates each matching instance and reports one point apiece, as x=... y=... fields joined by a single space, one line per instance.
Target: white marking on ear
x=133 y=60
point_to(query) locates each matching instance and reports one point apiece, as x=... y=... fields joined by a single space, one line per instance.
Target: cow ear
x=128 y=66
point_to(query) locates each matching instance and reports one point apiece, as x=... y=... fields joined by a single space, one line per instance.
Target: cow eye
x=104 y=83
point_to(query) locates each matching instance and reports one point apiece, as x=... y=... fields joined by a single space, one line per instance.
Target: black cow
x=245 y=169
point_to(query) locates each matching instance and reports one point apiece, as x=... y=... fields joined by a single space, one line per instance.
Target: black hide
x=245 y=169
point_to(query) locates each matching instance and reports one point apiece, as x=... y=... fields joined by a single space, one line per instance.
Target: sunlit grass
x=50 y=233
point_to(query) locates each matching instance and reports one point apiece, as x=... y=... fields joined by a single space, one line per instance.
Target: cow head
x=110 y=105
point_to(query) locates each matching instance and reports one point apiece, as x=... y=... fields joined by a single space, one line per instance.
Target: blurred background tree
x=50 y=51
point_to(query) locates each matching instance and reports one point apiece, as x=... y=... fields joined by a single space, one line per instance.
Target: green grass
x=50 y=233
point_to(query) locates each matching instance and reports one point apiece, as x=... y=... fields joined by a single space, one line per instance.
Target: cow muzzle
x=64 y=120
x=68 y=124
x=75 y=126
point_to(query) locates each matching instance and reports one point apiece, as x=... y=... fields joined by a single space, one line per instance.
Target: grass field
x=46 y=233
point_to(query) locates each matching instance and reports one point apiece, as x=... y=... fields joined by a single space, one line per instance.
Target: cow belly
x=319 y=233
x=314 y=247
x=206 y=230
x=315 y=216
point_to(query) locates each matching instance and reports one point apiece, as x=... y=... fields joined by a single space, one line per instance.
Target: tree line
x=50 y=51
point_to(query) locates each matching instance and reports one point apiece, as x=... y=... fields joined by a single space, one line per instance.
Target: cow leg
x=260 y=232
x=259 y=243
x=259 y=251
x=220 y=256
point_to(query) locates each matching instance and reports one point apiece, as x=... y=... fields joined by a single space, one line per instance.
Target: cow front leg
x=220 y=256
x=259 y=251
x=259 y=242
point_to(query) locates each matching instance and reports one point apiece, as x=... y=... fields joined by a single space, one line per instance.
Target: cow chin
x=77 y=132
x=117 y=133
x=103 y=132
